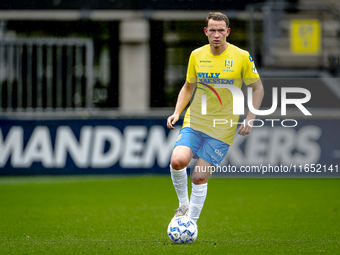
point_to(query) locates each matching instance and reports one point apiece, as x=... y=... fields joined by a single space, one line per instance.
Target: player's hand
x=172 y=120
x=246 y=128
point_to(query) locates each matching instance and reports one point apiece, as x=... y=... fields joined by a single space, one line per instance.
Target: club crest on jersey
x=228 y=63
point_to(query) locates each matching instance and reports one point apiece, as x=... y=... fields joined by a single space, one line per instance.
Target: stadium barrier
x=140 y=146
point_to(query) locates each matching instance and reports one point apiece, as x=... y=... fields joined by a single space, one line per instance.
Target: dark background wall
x=128 y=4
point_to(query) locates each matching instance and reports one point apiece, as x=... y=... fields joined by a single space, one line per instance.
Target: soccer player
x=211 y=69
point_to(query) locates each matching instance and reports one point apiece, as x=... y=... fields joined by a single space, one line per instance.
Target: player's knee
x=199 y=180
x=178 y=163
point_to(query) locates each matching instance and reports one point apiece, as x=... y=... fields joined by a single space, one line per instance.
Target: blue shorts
x=203 y=146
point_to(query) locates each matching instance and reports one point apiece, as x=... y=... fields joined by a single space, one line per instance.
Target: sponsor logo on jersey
x=213 y=78
x=208 y=75
x=205 y=61
x=205 y=65
x=208 y=89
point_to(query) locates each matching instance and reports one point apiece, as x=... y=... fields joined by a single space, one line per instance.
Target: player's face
x=217 y=32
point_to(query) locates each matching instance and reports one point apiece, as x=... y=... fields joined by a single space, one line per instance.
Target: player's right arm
x=182 y=101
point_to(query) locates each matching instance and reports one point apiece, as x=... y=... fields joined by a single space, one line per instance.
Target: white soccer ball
x=182 y=230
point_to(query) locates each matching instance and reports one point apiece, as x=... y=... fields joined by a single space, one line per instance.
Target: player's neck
x=218 y=51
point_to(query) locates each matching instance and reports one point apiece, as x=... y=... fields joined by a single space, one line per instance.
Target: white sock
x=180 y=181
x=198 y=195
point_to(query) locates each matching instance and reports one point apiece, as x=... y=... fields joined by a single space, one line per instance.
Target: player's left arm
x=258 y=93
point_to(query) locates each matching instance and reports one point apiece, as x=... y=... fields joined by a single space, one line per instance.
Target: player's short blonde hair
x=217 y=16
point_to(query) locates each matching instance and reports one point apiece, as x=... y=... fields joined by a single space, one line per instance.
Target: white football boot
x=182 y=211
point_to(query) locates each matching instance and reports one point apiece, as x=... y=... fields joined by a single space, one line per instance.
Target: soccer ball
x=182 y=230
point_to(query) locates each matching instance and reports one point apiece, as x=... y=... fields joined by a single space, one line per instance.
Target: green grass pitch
x=118 y=215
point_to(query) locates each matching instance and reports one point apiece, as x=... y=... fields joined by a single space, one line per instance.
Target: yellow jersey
x=233 y=67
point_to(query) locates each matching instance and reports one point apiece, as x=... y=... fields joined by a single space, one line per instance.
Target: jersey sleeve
x=191 y=72
x=249 y=72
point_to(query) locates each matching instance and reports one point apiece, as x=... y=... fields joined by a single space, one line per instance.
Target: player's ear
x=206 y=31
x=228 y=31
